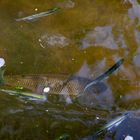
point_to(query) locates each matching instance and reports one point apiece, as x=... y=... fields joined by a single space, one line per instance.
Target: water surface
x=85 y=38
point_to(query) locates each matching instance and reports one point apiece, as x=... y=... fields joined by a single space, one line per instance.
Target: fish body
x=39 y=15
x=63 y=88
x=22 y=93
x=70 y=87
x=36 y=83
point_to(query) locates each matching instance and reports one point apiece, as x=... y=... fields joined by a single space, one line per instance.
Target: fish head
x=75 y=89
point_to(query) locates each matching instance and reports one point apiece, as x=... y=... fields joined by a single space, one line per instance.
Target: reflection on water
x=81 y=42
x=100 y=36
x=134 y=12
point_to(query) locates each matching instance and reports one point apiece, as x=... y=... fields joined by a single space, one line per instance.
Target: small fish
x=106 y=74
x=22 y=93
x=114 y=123
x=39 y=15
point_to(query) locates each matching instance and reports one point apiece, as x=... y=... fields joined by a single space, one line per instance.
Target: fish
x=24 y=94
x=108 y=127
x=69 y=87
x=35 y=85
x=106 y=74
x=39 y=15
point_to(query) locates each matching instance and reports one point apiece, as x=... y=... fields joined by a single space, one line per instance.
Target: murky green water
x=84 y=38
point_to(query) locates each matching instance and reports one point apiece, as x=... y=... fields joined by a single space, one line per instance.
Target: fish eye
x=46 y=89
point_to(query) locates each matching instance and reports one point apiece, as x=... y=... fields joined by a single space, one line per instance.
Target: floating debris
x=39 y=15
x=106 y=74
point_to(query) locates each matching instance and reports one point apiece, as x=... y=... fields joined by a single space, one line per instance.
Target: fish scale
x=33 y=82
x=62 y=84
x=36 y=83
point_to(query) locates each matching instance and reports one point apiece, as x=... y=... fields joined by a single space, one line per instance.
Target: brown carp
x=68 y=87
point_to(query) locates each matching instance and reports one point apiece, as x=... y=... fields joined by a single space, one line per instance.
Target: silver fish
x=39 y=15
x=114 y=123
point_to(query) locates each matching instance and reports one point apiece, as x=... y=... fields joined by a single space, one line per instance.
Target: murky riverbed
x=84 y=38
